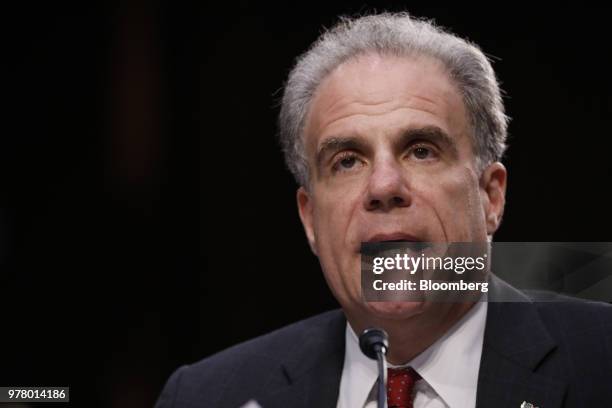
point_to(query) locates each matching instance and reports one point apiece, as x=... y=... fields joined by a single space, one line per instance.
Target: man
x=394 y=130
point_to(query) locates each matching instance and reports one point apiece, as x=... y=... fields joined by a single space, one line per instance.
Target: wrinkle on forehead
x=374 y=84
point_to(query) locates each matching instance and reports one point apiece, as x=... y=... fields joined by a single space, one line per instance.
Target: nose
x=387 y=187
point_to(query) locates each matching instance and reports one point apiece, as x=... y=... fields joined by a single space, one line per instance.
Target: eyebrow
x=430 y=133
x=336 y=144
x=433 y=134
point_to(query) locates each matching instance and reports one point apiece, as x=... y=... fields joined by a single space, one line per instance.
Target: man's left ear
x=493 y=194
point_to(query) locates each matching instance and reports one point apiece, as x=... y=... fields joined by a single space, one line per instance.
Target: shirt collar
x=358 y=375
x=450 y=365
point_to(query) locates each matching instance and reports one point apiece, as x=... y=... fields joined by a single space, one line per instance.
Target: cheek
x=333 y=213
x=333 y=217
x=456 y=199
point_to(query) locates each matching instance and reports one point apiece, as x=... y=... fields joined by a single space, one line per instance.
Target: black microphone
x=374 y=343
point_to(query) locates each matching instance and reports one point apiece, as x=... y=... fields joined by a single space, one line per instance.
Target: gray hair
x=401 y=35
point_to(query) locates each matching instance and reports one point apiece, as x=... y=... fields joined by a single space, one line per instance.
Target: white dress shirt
x=448 y=368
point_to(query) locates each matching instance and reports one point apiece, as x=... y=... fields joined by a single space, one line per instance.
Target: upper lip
x=393 y=236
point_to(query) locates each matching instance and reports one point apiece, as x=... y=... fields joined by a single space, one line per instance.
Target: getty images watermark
x=411 y=271
x=460 y=271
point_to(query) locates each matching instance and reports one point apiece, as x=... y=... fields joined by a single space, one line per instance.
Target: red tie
x=400 y=387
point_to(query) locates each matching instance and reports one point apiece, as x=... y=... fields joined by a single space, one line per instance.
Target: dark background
x=140 y=174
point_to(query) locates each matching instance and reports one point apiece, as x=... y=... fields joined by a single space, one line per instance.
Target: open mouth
x=405 y=244
x=398 y=242
x=393 y=237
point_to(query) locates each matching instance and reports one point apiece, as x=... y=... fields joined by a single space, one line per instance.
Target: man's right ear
x=304 y=203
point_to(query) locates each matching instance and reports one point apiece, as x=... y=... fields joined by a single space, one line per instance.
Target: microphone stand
x=374 y=343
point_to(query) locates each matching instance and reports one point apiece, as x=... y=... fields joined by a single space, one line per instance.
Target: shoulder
x=276 y=345
x=251 y=364
x=577 y=332
x=574 y=319
x=560 y=314
x=572 y=322
x=582 y=331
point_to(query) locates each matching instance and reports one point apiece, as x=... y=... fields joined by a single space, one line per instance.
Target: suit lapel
x=311 y=377
x=516 y=342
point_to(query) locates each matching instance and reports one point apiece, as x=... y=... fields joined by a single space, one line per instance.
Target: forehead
x=381 y=93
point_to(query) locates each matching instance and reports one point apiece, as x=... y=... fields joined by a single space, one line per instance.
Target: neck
x=410 y=335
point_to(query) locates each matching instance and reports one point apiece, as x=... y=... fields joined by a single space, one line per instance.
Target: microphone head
x=373 y=340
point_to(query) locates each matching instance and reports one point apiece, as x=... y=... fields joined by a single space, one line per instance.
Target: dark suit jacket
x=552 y=354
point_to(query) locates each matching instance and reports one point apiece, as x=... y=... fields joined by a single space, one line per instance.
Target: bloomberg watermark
x=464 y=271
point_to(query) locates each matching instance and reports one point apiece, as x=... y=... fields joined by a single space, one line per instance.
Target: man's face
x=391 y=158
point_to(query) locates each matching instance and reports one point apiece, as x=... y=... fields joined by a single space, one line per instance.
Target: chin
x=395 y=310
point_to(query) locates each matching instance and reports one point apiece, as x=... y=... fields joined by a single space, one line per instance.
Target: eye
x=422 y=152
x=346 y=162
